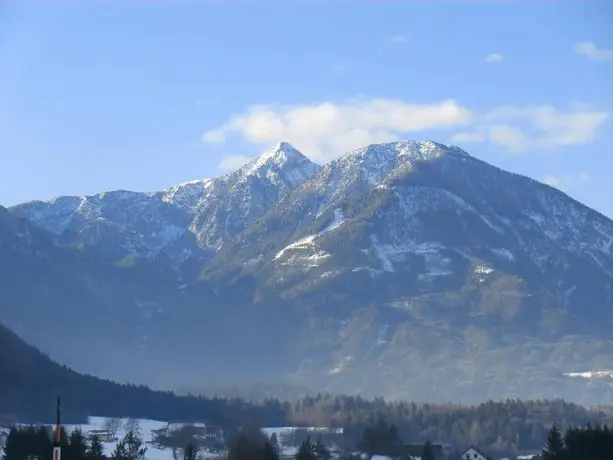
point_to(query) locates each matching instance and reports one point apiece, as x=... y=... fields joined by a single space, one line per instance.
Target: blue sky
x=141 y=95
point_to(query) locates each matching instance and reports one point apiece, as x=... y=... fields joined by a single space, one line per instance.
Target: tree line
x=501 y=428
x=587 y=443
x=36 y=442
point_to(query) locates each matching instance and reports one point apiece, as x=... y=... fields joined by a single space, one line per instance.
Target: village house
x=473 y=453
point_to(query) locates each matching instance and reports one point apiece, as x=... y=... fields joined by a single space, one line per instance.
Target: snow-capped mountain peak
x=282 y=163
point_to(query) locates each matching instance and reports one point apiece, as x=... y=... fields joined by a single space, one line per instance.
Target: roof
x=476 y=449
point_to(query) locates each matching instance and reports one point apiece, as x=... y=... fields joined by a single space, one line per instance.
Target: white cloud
x=493 y=57
x=233 y=162
x=566 y=180
x=510 y=137
x=590 y=50
x=547 y=127
x=326 y=130
x=537 y=128
x=398 y=40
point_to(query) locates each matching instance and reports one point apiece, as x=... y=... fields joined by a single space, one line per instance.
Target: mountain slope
x=31 y=382
x=76 y=306
x=187 y=221
x=416 y=252
x=129 y=322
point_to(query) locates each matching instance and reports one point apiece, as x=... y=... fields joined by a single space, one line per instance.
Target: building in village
x=473 y=453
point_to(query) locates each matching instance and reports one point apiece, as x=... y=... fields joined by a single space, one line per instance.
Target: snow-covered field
x=148 y=427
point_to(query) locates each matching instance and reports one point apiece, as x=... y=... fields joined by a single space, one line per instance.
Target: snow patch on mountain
x=308 y=242
x=186 y=195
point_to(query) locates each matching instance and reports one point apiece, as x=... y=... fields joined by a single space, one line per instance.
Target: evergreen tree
x=190 y=452
x=41 y=442
x=130 y=448
x=77 y=446
x=554 y=447
x=321 y=451
x=269 y=452
x=15 y=447
x=242 y=447
x=95 y=451
x=274 y=442
x=306 y=451
x=428 y=453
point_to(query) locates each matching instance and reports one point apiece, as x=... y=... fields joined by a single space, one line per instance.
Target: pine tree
x=269 y=452
x=41 y=442
x=321 y=451
x=77 y=447
x=130 y=448
x=428 y=453
x=306 y=451
x=242 y=447
x=15 y=447
x=190 y=452
x=554 y=447
x=274 y=442
x=95 y=451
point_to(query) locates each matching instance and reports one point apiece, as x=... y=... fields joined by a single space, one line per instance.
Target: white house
x=472 y=453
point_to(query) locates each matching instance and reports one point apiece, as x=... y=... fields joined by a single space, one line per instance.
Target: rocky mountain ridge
x=190 y=220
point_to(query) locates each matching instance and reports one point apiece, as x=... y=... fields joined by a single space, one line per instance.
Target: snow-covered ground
x=148 y=427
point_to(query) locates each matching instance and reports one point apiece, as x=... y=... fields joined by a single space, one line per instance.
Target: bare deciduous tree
x=132 y=425
x=112 y=424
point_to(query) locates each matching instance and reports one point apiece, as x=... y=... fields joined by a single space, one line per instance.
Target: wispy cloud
x=492 y=58
x=327 y=129
x=535 y=128
x=590 y=50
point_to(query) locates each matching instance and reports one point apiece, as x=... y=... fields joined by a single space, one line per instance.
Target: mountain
x=407 y=269
x=429 y=266
x=31 y=382
x=186 y=223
